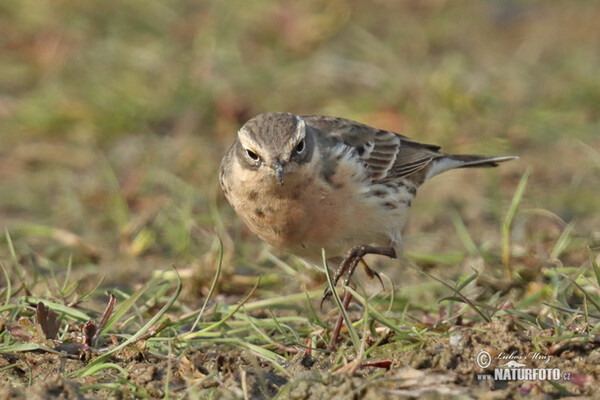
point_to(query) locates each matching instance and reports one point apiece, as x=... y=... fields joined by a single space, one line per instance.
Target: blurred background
x=114 y=116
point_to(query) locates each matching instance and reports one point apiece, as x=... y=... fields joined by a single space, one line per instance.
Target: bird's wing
x=388 y=156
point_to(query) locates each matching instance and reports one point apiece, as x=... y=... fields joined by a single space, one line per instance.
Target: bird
x=304 y=183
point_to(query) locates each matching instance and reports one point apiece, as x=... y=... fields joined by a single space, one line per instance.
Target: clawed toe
x=371 y=273
x=326 y=294
x=347 y=267
x=379 y=279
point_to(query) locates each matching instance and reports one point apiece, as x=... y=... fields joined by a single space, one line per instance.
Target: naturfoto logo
x=513 y=367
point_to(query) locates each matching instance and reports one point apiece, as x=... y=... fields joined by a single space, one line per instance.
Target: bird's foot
x=354 y=256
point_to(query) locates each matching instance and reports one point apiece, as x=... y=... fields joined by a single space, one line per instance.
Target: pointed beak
x=277 y=167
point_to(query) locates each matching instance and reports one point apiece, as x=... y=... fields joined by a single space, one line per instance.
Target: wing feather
x=388 y=156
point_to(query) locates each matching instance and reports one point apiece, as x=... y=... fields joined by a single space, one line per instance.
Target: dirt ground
x=125 y=273
x=440 y=368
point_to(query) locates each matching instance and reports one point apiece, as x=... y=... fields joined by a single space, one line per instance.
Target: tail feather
x=472 y=161
x=451 y=161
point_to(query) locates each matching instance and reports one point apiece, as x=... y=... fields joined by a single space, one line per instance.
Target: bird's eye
x=252 y=155
x=299 y=147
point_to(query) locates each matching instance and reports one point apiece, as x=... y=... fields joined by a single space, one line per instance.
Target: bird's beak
x=277 y=167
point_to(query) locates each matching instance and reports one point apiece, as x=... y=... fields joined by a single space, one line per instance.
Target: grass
x=153 y=321
x=125 y=273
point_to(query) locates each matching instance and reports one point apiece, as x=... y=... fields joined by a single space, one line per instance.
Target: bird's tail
x=472 y=161
x=452 y=161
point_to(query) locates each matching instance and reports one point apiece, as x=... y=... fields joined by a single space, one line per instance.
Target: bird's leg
x=340 y=321
x=354 y=256
x=349 y=264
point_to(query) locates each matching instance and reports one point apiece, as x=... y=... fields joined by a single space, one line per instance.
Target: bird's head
x=276 y=144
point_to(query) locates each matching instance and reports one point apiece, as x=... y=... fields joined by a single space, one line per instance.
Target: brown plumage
x=303 y=183
x=307 y=183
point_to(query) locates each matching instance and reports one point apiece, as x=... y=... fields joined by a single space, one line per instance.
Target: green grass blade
x=280 y=327
x=122 y=308
x=353 y=334
x=100 y=367
x=562 y=242
x=213 y=286
x=206 y=331
x=380 y=317
x=119 y=208
x=100 y=360
x=272 y=358
x=61 y=308
x=313 y=312
x=18 y=267
x=19 y=347
x=464 y=283
x=507 y=224
x=448 y=258
x=595 y=266
x=460 y=295
x=464 y=236
x=292 y=299
x=8 y=285
x=281 y=264
x=65 y=285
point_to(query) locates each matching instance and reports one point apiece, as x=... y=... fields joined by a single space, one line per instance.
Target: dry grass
x=114 y=118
